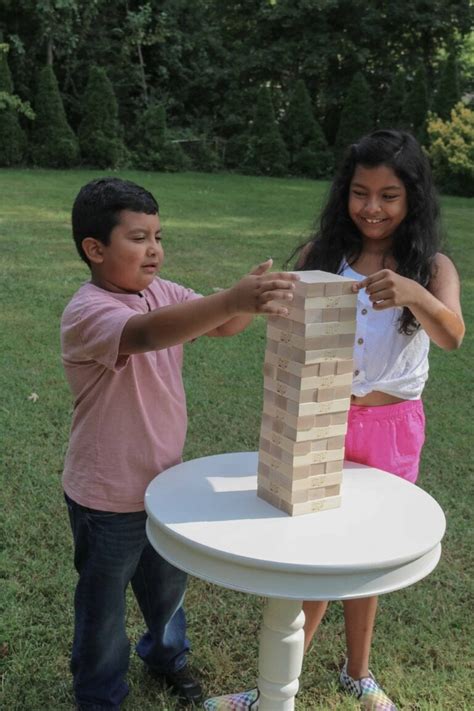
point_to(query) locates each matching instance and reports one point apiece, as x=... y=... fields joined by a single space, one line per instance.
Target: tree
x=12 y=137
x=53 y=142
x=390 y=115
x=357 y=116
x=267 y=153
x=448 y=93
x=451 y=150
x=309 y=152
x=153 y=151
x=100 y=133
x=416 y=107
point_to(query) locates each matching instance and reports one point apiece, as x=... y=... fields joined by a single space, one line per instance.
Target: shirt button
x=363 y=312
x=360 y=341
x=356 y=372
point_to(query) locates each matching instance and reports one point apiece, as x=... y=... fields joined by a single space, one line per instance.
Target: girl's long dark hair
x=416 y=240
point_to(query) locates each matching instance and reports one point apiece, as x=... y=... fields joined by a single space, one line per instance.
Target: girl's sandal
x=369 y=693
x=245 y=701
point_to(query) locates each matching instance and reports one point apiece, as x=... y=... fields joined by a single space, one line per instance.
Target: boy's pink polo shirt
x=129 y=420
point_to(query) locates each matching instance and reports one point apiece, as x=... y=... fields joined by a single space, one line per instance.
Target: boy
x=122 y=336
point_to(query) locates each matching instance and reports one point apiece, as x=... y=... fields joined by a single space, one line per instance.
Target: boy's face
x=133 y=257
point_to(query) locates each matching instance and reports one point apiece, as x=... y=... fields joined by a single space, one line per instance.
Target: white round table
x=204 y=517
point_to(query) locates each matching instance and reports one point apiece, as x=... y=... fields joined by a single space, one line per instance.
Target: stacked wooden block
x=307 y=388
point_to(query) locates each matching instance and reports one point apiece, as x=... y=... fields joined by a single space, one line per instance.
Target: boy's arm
x=171 y=325
x=237 y=324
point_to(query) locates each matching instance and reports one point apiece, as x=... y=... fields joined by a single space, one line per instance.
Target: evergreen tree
x=267 y=153
x=53 y=142
x=100 y=133
x=416 y=107
x=448 y=93
x=152 y=149
x=12 y=137
x=391 y=111
x=309 y=152
x=357 y=115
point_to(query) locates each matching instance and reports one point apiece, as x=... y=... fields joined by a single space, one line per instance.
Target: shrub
x=153 y=151
x=310 y=154
x=100 y=133
x=451 y=151
x=448 y=93
x=357 y=115
x=12 y=136
x=390 y=115
x=53 y=142
x=266 y=153
x=416 y=107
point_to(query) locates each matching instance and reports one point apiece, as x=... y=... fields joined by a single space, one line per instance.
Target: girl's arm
x=437 y=308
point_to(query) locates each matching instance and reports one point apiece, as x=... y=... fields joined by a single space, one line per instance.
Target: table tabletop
x=205 y=516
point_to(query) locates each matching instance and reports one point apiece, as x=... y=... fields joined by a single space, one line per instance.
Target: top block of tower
x=318 y=283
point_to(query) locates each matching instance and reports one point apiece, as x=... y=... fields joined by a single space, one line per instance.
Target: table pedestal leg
x=281 y=654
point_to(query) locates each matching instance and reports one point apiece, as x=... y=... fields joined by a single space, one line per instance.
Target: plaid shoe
x=369 y=693
x=245 y=701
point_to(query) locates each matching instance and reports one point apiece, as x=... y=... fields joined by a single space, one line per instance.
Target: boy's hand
x=260 y=291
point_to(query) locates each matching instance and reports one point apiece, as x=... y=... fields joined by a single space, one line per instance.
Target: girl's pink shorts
x=389 y=437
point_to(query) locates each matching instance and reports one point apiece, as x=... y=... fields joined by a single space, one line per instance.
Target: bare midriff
x=375 y=399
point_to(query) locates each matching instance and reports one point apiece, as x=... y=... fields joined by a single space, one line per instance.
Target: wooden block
x=286 y=463
x=344 y=366
x=333 y=490
x=267 y=496
x=334 y=467
x=318 y=342
x=314 y=408
x=346 y=339
x=298 y=314
x=347 y=313
x=312 y=506
x=331 y=328
x=338 y=288
x=305 y=484
x=334 y=432
x=307 y=289
x=310 y=357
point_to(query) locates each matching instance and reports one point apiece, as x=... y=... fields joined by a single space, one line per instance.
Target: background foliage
x=207 y=62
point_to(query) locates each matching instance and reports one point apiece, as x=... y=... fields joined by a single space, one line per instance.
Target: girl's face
x=377 y=201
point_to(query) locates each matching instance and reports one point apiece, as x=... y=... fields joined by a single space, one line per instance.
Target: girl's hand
x=260 y=291
x=387 y=289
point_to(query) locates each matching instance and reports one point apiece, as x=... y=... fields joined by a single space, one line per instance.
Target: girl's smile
x=377 y=201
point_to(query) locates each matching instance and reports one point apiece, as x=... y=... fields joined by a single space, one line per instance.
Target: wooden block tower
x=307 y=388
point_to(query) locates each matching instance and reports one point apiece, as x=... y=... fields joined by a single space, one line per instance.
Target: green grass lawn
x=215 y=228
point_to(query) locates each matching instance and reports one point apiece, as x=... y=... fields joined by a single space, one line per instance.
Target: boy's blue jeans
x=111 y=550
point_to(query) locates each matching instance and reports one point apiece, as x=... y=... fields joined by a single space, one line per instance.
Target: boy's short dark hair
x=98 y=204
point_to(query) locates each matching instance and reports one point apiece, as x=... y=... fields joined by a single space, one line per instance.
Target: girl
x=380 y=228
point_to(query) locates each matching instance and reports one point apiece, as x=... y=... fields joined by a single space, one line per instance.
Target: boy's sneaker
x=245 y=701
x=369 y=693
x=182 y=683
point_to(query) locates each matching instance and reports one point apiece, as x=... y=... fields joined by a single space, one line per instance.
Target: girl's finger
x=381 y=295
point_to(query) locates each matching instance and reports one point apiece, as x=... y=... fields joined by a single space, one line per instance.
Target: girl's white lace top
x=385 y=359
